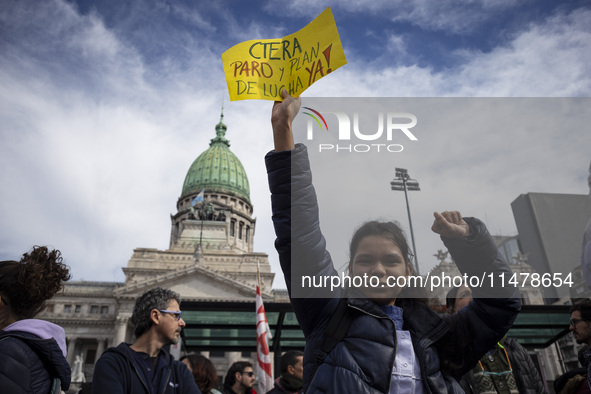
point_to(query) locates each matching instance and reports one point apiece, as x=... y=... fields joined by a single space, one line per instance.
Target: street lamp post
x=404 y=182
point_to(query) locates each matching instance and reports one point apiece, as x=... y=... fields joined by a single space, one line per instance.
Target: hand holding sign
x=260 y=69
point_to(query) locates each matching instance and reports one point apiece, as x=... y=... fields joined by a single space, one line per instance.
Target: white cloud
x=547 y=59
x=450 y=17
x=396 y=45
x=97 y=144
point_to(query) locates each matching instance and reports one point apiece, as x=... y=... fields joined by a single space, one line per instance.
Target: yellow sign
x=261 y=69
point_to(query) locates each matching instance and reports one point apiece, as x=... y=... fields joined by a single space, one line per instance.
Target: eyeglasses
x=250 y=374
x=573 y=322
x=176 y=314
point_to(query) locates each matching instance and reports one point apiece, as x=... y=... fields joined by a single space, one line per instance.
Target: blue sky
x=105 y=104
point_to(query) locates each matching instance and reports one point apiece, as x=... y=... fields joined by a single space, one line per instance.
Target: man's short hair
x=156 y=298
x=290 y=358
x=584 y=307
x=238 y=366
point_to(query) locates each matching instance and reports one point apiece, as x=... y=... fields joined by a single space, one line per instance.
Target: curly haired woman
x=33 y=352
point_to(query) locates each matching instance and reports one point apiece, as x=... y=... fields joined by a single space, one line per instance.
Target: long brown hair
x=204 y=372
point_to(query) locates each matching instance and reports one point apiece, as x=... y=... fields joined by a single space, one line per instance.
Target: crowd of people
x=376 y=339
x=33 y=351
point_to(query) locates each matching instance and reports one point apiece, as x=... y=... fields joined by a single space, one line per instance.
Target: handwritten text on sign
x=260 y=69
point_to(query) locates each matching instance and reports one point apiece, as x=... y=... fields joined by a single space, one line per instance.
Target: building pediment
x=196 y=283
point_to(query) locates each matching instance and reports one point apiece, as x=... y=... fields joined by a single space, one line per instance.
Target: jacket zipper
x=140 y=376
x=395 y=339
x=167 y=379
x=422 y=346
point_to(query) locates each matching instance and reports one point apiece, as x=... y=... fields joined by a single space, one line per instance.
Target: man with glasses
x=577 y=380
x=239 y=379
x=144 y=366
x=580 y=322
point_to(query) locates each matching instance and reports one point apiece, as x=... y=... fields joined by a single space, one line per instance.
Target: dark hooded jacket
x=116 y=372
x=362 y=362
x=31 y=357
x=228 y=390
x=528 y=379
x=281 y=384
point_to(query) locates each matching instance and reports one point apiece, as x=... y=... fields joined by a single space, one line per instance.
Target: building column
x=71 y=350
x=120 y=329
x=99 y=349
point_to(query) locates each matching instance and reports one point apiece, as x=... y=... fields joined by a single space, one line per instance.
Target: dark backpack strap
x=335 y=331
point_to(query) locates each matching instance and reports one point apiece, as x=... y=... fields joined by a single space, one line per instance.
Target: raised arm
x=299 y=243
x=478 y=326
x=281 y=119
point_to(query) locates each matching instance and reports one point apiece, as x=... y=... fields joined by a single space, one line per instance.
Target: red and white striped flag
x=264 y=370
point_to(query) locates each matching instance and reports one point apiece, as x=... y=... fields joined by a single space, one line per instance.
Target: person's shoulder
x=121 y=351
x=14 y=343
x=20 y=335
x=175 y=364
x=512 y=345
x=169 y=358
x=121 y=348
x=16 y=351
x=178 y=365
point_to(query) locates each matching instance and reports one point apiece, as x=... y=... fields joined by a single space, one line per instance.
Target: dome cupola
x=217 y=169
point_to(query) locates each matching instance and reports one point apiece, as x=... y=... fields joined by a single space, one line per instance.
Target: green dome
x=217 y=169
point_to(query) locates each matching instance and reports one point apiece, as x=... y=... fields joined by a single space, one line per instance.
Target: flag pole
x=259 y=276
x=263 y=332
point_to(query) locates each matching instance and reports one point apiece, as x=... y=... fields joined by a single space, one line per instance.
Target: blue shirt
x=406 y=372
